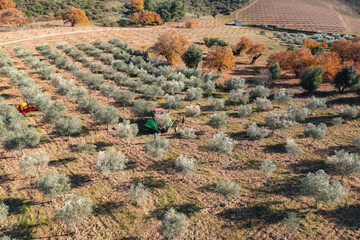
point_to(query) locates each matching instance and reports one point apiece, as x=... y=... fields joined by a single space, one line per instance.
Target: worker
x=183 y=121
x=176 y=129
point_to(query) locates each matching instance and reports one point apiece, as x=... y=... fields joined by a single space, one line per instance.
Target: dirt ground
x=256 y=213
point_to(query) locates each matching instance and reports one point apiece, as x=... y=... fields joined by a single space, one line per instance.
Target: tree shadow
x=62 y=161
x=305 y=166
x=321 y=119
x=165 y=166
x=347 y=216
x=101 y=145
x=189 y=209
x=275 y=148
x=107 y=207
x=240 y=136
x=78 y=180
x=5 y=178
x=248 y=217
x=289 y=187
x=344 y=101
x=17 y=205
x=150 y=182
x=7 y=96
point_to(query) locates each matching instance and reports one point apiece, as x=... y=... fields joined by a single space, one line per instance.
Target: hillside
x=332 y=16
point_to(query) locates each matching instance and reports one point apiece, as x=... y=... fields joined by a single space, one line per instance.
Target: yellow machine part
x=22 y=105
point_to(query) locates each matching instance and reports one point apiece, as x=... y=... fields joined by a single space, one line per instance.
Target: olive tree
x=318 y=186
x=67 y=126
x=268 y=167
x=54 y=112
x=127 y=130
x=255 y=132
x=138 y=193
x=4 y=212
x=234 y=83
x=174 y=225
x=111 y=161
x=194 y=94
x=263 y=104
x=30 y=164
x=316 y=103
x=349 y=113
x=188 y=133
x=218 y=120
x=244 y=111
x=346 y=163
x=187 y=165
x=52 y=184
x=227 y=189
x=221 y=144
x=292 y=223
x=316 y=132
x=260 y=92
x=157 y=147
x=292 y=148
x=193 y=111
x=238 y=96
x=215 y=103
x=76 y=208
x=143 y=108
x=107 y=115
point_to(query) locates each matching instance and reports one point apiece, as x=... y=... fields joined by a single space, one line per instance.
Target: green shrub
x=275 y=71
x=311 y=78
x=346 y=78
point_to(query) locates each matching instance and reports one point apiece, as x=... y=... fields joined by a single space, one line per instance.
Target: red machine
x=26 y=107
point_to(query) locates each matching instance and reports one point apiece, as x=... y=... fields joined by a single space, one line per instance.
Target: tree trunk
x=255 y=58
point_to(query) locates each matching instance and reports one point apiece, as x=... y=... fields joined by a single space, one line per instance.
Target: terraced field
x=309 y=14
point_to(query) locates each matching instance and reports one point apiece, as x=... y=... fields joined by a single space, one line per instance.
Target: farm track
x=310 y=15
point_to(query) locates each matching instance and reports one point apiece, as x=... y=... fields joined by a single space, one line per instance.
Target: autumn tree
x=311 y=44
x=219 y=59
x=243 y=46
x=191 y=23
x=257 y=51
x=137 y=5
x=4 y=4
x=12 y=16
x=145 y=18
x=75 y=16
x=341 y=47
x=171 y=45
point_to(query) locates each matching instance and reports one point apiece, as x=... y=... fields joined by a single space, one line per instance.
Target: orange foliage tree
x=171 y=45
x=137 y=5
x=145 y=18
x=311 y=44
x=256 y=51
x=300 y=59
x=12 y=16
x=4 y=4
x=243 y=46
x=191 y=23
x=219 y=59
x=75 y=16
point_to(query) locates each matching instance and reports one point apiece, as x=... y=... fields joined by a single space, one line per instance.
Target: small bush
x=192 y=57
x=284 y=97
x=173 y=102
x=349 y=113
x=209 y=42
x=316 y=132
x=275 y=71
x=174 y=225
x=221 y=144
x=337 y=121
x=263 y=104
x=76 y=94
x=346 y=78
x=52 y=184
x=255 y=132
x=244 y=111
x=110 y=161
x=90 y=105
x=234 y=83
x=260 y=92
x=187 y=165
x=316 y=103
x=311 y=78
x=218 y=120
x=279 y=120
x=208 y=87
x=157 y=147
x=84 y=147
x=67 y=126
x=356 y=141
x=188 y=133
x=107 y=115
x=4 y=212
x=193 y=111
x=292 y=148
x=127 y=130
x=173 y=87
x=227 y=188
x=292 y=223
x=268 y=167
x=138 y=193
x=215 y=103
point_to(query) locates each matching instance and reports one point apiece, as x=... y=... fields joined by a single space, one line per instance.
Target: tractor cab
x=157 y=111
x=26 y=107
